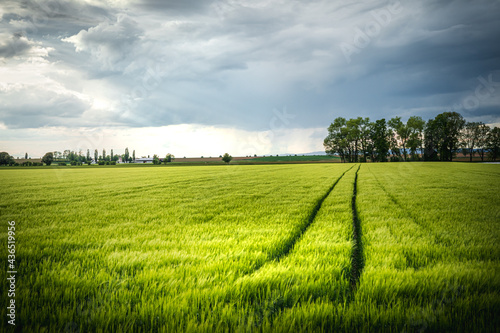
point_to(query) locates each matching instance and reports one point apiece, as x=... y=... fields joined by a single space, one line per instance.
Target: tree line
x=73 y=158
x=438 y=139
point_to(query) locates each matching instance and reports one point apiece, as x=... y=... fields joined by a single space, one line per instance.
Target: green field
x=399 y=247
x=306 y=158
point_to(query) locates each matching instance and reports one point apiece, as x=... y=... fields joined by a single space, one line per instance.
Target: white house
x=144 y=160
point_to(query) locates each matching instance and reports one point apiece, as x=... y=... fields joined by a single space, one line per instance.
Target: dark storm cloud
x=435 y=60
x=183 y=7
x=233 y=62
x=38 y=18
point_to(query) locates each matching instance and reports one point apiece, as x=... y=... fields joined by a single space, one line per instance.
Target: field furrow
x=168 y=244
x=357 y=256
x=427 y=275
x=307 y=223
x=316 y=272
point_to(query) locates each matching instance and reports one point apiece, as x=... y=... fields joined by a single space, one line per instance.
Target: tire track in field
x=272 y=305
x=357 y=255
x=285 y=250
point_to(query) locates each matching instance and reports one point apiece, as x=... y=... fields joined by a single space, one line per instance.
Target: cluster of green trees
x=168 y=158
x=6 y=159
x=360 y=140
x=72 y=156
x=441 y=138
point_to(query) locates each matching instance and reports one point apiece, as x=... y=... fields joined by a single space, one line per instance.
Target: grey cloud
x=231 y=63
x=109 y=42
x=14 y=46
x=41 y=18
x=427 y=71
x=31 y=107
x=183 y=7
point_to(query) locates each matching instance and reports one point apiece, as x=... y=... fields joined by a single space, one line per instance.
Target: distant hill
x=314 y=153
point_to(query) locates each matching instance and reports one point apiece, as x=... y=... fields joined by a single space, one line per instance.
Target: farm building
x=146 y=160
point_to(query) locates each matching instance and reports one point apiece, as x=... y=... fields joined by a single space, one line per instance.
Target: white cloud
x=110 y=43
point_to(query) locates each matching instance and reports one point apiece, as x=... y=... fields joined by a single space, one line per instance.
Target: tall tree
x=133 y=154
x=70 y=155
x=26 y=156
x=394 y=146
x=494 y=143
x=365 y=138
x=336 y=140
x=88 y=155
x=402 y=133
x=353 y=127
x=112 y=156
x=381 y=140
x=96 y=156
x=431 y=137
x=156 y=159
x=5 y=158
x=470 y=137
x=482 y=142
x=126 y=155
x=103 y=154
x=48 y=158
x=168 y=158
x=449 y=124
x=415 y=126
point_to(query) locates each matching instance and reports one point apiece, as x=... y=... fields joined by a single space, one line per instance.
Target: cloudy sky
x=200 y=77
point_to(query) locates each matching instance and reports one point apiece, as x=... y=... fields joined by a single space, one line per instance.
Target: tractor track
x=357 y=255
x=289 y=245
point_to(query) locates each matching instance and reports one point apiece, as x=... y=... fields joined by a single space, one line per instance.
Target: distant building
x=144 y=160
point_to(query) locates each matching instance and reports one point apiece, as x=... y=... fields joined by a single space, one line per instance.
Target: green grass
x=313 y=158
x=254 y=248
x=437 y=227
